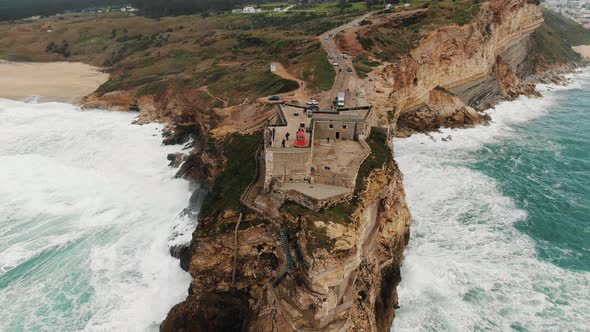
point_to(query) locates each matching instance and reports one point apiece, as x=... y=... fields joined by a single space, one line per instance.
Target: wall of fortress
x=287 y=165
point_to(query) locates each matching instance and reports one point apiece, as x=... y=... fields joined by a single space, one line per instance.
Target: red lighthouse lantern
x=300 y=140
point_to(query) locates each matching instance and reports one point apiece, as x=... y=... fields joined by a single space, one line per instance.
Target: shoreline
x=49 y=81
x=104 y=185
x=583 y=50
x=421 y=158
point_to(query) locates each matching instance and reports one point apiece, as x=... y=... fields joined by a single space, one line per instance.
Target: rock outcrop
x=342 y=276
x=300 y=270
x=479 y=63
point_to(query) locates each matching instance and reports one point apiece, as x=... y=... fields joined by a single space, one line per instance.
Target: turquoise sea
x=88 y=208
x=500 y=239
x=501 y=232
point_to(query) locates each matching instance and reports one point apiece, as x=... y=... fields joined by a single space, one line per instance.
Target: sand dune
x=50 y=80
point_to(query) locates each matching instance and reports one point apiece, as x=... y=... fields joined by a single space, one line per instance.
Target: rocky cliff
x=470 y=66
x=338 y=270
x=343 y=267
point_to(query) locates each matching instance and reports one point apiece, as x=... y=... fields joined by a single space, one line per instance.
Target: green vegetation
x=332 y=7
x=239 y=151
x=379 y=157
x=363 y=65
x=573 y=33
x=230 y=54
x=155 y=88
x=339 y=213
x=256 y=80
x=310 y=22
x=464 y=15
x=15 y=57
x=551 y=43
x=268 y=5
x=317 y=71
x=159 y=8
x=393 y=39
x=317 y=236
x=549 y=48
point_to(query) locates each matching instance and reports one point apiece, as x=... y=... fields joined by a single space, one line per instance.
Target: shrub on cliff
x=240 y=153
x=380 y=155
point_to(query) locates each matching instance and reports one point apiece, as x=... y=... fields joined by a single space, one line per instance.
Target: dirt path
x=224 y=101
x=300 y=94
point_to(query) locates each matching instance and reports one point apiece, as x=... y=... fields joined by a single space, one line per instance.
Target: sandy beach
x=50 y=80
x=584 y=50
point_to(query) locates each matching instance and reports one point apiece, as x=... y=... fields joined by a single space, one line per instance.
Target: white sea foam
x=467 y=267
x=87 y=204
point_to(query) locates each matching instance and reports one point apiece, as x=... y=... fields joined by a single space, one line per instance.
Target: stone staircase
x=251 y=195
x=287 y=249
x=256 y=187
x=284 y=238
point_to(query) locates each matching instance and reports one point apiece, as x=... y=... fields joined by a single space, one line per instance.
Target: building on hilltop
x=251 y=10
x=312 y=156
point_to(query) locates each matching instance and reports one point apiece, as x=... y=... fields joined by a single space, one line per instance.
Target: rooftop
x=288 y=121
x=316 y=190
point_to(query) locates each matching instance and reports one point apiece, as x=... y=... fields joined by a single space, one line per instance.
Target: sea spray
x=476 y=259
x=87 y=204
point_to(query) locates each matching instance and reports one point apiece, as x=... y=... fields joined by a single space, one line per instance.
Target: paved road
x=343 y=77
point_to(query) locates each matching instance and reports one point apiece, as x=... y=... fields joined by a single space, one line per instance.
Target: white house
x=249 y=10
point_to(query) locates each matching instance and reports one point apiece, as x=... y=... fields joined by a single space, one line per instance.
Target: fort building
x=312 y=157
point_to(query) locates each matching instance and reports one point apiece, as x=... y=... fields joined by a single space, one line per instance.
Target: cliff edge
x=337 y=269
x=343 y=266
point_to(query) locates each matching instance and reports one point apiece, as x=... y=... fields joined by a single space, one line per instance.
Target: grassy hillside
x=551 y=43
x=226 y=54
x=571 y=32
x=393 y=38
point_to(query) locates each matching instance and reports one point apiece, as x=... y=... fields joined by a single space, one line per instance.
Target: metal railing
x=256 y=178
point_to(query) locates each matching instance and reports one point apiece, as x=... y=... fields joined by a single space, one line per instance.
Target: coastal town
x=577 y=10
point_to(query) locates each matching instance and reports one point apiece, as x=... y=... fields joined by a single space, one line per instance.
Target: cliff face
x=342 y=275
x=478 y=63
x=344 y=279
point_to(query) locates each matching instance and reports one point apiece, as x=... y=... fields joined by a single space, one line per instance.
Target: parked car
x=330 y=57
x=349 y=69
x=335 y=63
x=274 y=98
x=344 y=56
x=312 y=102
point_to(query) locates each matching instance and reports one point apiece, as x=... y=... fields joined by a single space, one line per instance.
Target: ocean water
x=500 y=239
x=87 y=207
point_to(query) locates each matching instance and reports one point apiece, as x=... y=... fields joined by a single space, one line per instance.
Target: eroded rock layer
x=338 y=270
x=478 y=63
x=345 y=281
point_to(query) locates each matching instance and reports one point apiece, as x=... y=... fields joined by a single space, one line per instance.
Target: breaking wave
x=87 y=204
x=475 y=260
